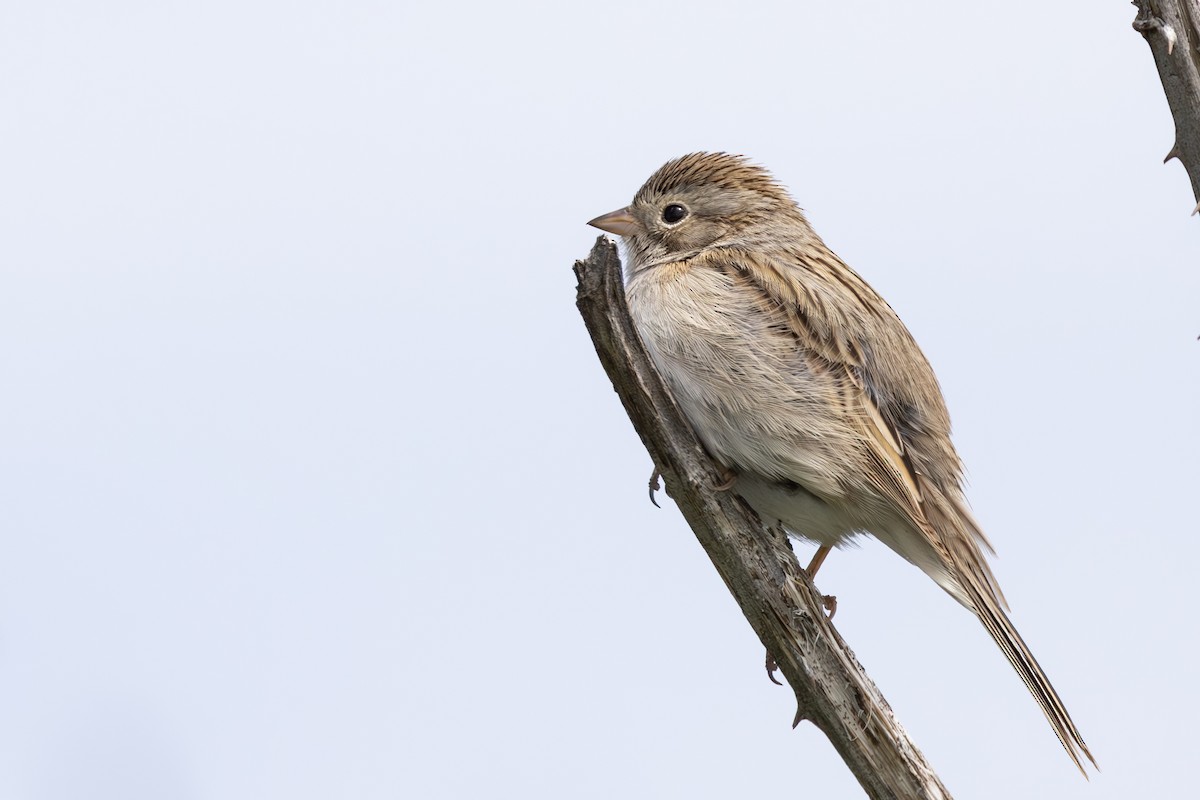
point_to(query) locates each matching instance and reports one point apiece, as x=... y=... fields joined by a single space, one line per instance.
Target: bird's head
x=697 y=201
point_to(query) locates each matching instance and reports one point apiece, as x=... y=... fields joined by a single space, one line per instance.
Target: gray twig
x=1171 y=29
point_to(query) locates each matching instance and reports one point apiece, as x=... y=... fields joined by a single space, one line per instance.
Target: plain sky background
x=311 y=485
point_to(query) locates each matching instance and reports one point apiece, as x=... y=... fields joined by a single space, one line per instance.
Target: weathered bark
x=757 y=564
x=1171 y=29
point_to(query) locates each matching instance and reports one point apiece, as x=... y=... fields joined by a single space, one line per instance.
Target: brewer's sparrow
x=804 y=383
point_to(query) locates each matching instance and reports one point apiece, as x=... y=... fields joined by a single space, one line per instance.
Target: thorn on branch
x=800 y=716
x=1174 y=153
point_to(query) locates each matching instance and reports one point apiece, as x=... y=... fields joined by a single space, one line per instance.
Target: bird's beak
x=620 y=222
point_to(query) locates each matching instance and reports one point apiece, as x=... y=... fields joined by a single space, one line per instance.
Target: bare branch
x=1172 y=29
x=756 y=564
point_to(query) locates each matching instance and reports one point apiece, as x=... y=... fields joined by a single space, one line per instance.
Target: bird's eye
x=673 y=213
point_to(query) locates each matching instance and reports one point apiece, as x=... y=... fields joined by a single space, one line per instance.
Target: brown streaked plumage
x=801 y=379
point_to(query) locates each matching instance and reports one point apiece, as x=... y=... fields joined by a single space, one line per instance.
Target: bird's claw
x=729 y=478
x=771 y=669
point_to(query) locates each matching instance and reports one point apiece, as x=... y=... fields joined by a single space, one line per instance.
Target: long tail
x=1018 y=654
x=973 y=584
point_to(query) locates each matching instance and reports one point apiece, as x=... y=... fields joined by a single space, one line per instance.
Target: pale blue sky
x=311 y=485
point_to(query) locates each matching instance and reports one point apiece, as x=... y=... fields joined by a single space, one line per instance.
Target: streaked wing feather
x=823 y=341
x=941 y=515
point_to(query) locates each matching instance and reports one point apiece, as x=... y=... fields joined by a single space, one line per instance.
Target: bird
x=804 y=384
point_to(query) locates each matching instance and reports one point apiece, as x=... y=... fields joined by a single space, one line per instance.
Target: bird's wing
x=831 y=334
x=823 y=329
x=831 y=312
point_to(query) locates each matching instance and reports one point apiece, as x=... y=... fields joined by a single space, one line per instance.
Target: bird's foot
x=728 y=478
x=654 y=487
x=771 y=668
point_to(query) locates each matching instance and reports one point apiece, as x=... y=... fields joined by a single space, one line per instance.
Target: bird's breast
x=739 y=374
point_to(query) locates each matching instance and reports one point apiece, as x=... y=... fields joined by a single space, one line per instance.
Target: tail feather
x=1018 y=654
x=974 y=585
